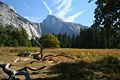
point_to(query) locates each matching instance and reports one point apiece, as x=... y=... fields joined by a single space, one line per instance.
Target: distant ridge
x=56 y=25
x=51 y=24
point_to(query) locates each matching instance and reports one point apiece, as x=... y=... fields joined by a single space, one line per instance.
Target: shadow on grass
x=107 y=68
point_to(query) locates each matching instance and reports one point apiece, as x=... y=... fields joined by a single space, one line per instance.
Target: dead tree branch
x=23 y=71
x=41 y=57
x=41 y=48
x=56 y=55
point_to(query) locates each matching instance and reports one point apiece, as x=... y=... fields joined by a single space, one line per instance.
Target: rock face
x=55 y=25
x=51 y=24
x=9 y=17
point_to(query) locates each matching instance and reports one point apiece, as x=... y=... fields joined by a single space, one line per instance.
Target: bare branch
x=23 y=71
x=41 y=48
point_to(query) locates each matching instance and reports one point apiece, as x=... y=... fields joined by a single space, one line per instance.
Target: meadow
x=88 y=64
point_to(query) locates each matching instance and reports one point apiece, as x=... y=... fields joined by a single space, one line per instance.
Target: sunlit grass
x=87 y=54
x=9 y=54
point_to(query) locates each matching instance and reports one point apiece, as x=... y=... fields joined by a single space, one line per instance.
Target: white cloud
x=48 y=8
x=65 y=8
x=60 y=4
x=57 y=1
x=74 y=16
x=33 y=19
x=61 y=9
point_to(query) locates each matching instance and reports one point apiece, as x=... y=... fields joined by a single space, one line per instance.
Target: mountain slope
x=9 y=17
x=51 y=24
x=55 y=25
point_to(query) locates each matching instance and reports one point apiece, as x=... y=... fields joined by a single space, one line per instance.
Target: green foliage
x=64 y=40
x=50 y=41
x=11 y=36
x=118 y=46
x=107 y=16
x=89 y=38
x=86 y=38
x=83 y=40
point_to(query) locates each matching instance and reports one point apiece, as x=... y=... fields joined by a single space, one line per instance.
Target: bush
x=118 y=46
x=50 y=41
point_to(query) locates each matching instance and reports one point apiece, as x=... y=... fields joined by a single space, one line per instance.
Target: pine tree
x=107 y=15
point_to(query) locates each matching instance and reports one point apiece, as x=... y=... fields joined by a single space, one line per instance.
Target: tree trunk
x=23 y=71
x=41 y=48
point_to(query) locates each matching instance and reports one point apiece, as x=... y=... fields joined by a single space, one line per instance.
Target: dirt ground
x=87 y=64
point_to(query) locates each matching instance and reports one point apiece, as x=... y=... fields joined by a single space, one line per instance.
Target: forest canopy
x=13 y=37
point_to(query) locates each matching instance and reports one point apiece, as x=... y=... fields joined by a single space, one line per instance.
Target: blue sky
x=78 y=11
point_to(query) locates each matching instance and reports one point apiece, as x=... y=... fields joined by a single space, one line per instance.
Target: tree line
x=13 y=37
x=107 y=21
x=87 y=38
x=104 y=32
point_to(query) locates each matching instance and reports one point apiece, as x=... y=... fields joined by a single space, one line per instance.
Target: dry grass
x=89 y=56
x=8 y=54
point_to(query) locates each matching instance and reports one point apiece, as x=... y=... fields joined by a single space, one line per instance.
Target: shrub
x=50 y=41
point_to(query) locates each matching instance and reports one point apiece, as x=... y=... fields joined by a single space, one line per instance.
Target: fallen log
x=23 y=71
x=56 y=55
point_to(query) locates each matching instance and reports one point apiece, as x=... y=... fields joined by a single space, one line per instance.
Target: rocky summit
x=56 y=25
x=51 y=24
x=8 y=16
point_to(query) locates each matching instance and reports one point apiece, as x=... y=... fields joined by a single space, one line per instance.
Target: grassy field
x=88 y=64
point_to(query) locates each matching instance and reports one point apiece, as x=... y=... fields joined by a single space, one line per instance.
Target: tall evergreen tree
x=107 y=15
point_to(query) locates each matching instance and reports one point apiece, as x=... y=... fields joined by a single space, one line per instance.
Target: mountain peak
x=54 y=17
x=9 y=17
x=53 y=24
x=51 y=16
